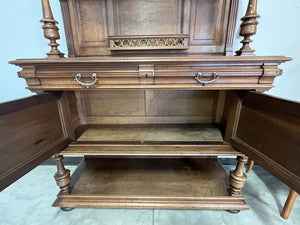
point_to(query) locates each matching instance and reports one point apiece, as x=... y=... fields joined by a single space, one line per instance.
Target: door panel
x=268 y=131
x=31 y=130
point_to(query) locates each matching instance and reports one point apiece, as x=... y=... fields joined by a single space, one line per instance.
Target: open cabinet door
x=267 y=130
x=31 y=130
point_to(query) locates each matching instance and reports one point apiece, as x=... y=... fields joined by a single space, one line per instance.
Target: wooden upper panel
x=98 y=27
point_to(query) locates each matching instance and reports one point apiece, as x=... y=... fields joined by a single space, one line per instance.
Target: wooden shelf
x=119 y=150
x=151 y=134
x=151 y=183
x=150 y=141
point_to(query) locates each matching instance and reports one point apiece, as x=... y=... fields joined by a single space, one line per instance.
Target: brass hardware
x=215 y=77
x=87 y=85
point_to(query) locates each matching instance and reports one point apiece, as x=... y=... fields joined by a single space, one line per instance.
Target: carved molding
x=148 y=42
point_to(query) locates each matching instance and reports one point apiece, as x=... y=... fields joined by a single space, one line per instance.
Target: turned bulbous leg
x=237 y=177
x=62 y=176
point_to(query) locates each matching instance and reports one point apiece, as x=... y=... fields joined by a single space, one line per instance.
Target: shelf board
x=124 y=150
x=167 y=140
x=184 y=183
x=151 y=134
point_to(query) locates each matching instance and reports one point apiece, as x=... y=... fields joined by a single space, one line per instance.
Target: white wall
x=22 y=37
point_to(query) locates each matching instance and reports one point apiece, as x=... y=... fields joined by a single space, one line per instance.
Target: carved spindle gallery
x=248 y=28
x=62 y=175
x=50 y=30
x=237 y=177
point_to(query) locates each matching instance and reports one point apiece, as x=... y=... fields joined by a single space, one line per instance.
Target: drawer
x=75 y=77
x=152 y=76
x=213 y=75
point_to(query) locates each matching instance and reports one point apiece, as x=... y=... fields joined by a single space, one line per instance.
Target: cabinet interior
x=150 y=149
x=148 y=116
x=149 y=123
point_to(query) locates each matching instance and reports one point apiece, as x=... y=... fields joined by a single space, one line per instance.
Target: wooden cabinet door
x=31 y=130
x=267 y=130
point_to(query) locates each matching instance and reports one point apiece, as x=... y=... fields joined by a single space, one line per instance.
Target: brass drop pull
x=199 y=75
x=87 y=85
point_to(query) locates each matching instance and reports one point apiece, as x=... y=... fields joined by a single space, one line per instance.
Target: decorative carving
x=62 y=175
x=248 y=28
x=237 y=177
x=50 y=30
x=148 y=42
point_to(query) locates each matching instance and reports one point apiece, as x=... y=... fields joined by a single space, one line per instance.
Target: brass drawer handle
x=215 y=77
x=87 y=85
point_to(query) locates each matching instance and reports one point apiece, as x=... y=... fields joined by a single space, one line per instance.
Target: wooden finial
x=50 y=30
x=248 y=28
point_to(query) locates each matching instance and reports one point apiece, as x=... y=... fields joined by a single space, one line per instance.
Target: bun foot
x=66 y=209
x=234 y=211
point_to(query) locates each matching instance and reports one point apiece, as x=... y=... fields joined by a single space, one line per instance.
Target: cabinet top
x=158 y=59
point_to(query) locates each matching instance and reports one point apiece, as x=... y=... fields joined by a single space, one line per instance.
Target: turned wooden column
x=62 y=175
x=248 y=28
x=50 y=30
x=237 y=177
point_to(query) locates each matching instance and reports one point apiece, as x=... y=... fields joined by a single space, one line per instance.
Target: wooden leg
x=250 y=166
x=62 y=176
x=289 y=204
x=237 y=177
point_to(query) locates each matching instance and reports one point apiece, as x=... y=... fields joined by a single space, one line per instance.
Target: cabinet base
x=184 y=183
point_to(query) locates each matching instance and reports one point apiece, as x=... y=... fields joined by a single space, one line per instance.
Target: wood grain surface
x=150 y=183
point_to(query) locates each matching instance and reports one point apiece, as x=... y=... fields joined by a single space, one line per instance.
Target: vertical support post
x=50 y=30
x=248 y=28
x=289 y=204
x=62 y=176
x=237 y=177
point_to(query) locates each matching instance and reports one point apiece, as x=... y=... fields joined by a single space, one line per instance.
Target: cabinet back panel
x=208 y=24
x=149 y=106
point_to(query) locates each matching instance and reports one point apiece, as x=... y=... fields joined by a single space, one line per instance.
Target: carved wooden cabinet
x=151 y=95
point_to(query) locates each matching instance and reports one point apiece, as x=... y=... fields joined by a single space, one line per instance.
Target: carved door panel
x=267 y=129
x=31 y=130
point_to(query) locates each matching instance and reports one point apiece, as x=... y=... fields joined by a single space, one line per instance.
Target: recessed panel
x=148 y=17
x=208 y=19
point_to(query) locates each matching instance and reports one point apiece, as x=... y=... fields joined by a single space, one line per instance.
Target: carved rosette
x=248 y=28
x=50 y=30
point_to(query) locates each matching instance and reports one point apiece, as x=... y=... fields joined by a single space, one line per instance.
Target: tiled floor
x=28 y=201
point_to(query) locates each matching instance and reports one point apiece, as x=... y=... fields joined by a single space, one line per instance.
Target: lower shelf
x=198 y=183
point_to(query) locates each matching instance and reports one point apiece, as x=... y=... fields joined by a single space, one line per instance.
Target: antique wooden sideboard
x=151 y=94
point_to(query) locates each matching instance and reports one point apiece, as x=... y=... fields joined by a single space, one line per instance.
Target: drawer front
x=207 y=75
x=151 y=76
